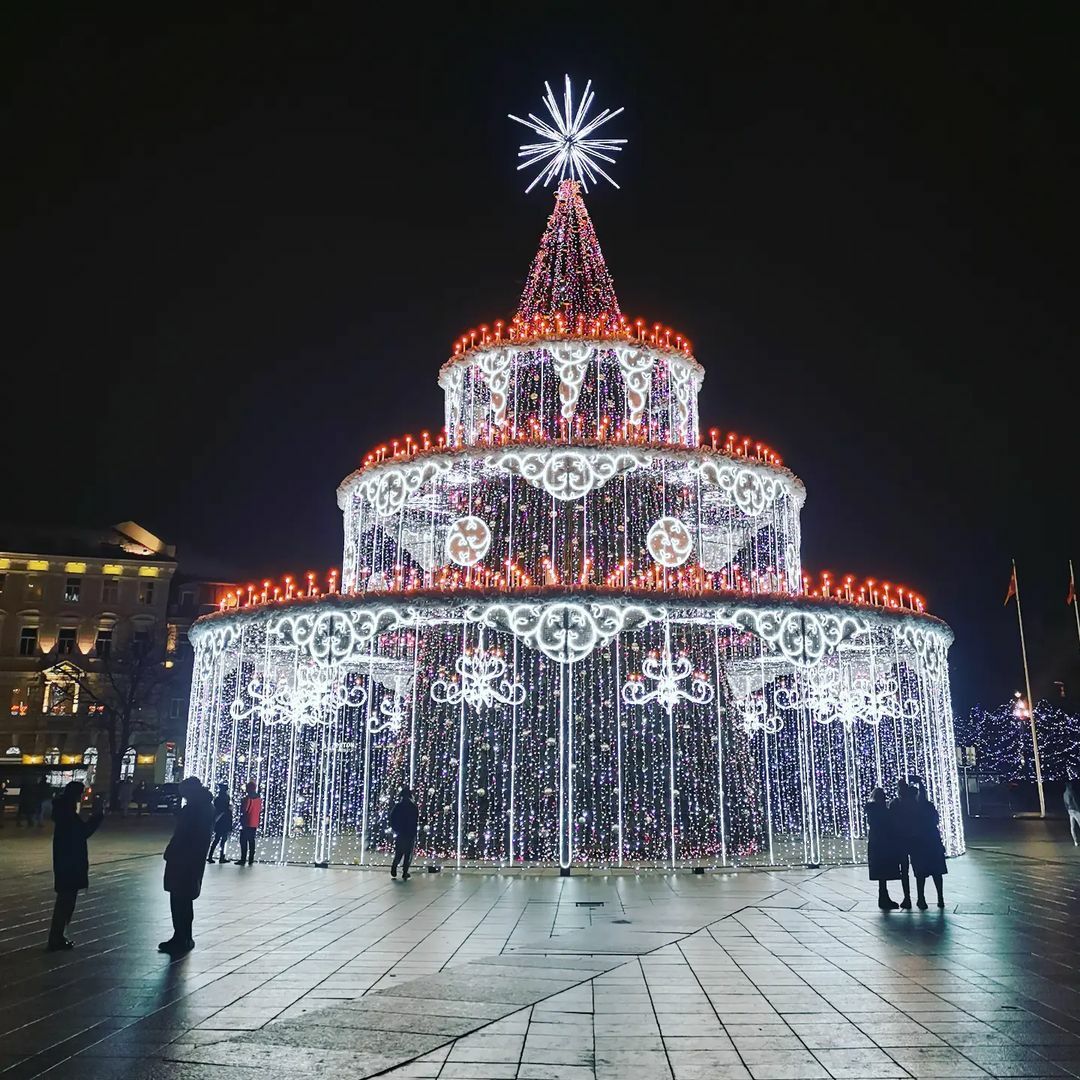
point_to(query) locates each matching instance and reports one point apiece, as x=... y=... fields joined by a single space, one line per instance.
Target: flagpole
x=1030 y=701
x=1076 y=610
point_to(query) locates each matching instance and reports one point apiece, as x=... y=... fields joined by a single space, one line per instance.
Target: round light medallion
x=669 y=542
x=468 y=541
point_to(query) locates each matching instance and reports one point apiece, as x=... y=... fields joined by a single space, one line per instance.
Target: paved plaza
x=345 y=973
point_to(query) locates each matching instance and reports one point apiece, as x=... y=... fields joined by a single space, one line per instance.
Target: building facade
x=73 y=603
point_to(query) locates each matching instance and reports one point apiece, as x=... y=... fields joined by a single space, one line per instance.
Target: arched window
x=14 y=751
x=127 y=764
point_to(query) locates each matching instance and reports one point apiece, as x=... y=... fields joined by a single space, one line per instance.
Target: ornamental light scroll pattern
x=495 y=365
x=453 y=382
x=803 y=637
x=828 y=696
x=311 y=696
x=334 y=636
x=682 y=382
x=931 y=645
x=753 y=491
x=480 y=681
x=571 y=363
x=567 y=632
x=752 y=707
x=667 y=672
x=569 y=474
x=636 y=366
x=391 y=715
x=389 y=488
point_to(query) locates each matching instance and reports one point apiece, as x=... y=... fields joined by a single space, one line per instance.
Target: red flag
x=1012 y=587
x=1071 y=597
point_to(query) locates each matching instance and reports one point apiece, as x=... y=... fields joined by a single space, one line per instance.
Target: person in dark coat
x=903 y=814
x=928 y=852
x=222 y=822
x=28 y=802
x=403 y=820
x=882 y=853
x=71 y=862
x=43 y=799
x=185 y=861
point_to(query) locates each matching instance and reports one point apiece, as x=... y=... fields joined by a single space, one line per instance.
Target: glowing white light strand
x=668 y=672
x=567 y=151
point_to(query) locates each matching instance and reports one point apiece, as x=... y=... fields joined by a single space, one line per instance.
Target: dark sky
x=236 y=252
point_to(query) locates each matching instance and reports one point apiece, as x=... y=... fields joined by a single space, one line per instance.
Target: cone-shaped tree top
x=569 y=277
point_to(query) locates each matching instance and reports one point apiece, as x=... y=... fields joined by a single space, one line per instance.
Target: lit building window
x=20 y=701
x=127 y=764
x=172 y=635
x=65 y=641
x=90 y=760
x=146 y=592
x=28 y=641
x=110 y=590
x=52 y=755
x=61 y=695
x=72 y=589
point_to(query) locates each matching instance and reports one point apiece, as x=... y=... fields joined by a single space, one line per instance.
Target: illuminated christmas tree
x=569 y=278
x=577 y=628
x=1003 y=746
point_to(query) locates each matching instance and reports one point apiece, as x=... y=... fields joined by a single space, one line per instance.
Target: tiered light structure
x=582 y=636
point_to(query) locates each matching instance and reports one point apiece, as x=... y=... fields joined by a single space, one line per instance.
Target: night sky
x=236 y=252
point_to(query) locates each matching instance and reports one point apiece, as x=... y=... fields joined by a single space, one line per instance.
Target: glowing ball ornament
x=669 y=542
x=468 y=541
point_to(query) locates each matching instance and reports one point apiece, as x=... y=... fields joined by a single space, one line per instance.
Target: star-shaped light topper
x=568 y=152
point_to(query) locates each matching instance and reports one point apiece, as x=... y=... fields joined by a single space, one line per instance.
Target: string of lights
x=624 y=581
x=408 y=446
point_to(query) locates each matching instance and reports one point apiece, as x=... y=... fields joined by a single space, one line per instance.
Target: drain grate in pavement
x=588 y=903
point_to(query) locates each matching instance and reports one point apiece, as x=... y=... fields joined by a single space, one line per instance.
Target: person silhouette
x=928 y=852
x=882 y=853
x=250 y=820
x=185 y=861
x=903 y=814
x=71 y=862
x=403 y=820
x=1072 y=808
x=222 y=822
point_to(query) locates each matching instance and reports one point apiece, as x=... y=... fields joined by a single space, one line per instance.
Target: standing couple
x=902 y=833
